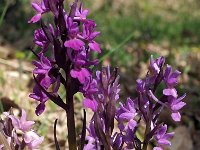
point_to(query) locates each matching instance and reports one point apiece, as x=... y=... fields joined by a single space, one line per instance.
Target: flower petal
x=95 y=46
x=81 y=74
x=176 y=116
x=92 y=104
x=170 y=92
x=75 y=44
x=35 y=18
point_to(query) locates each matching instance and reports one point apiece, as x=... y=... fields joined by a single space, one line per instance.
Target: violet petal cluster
x=19 y=132
x=162 y=138
x=41 y=8
x=102 y=94
x=65 y=46
x=64 y=58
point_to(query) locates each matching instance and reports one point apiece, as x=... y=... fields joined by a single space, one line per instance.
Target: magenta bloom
x=176 y=104
x=21 y=124
x=40 y=39
x=43 y=66
x=32 y=140
x=81 y=74
x=162 y=138
x=69 y=41
x=75 y=44
x=40 y=8
x=81 y=13
x=89 y=34
x=45 y=79
x=19 y=133
x=171 y=79
x=126 y=112
x=92 y=104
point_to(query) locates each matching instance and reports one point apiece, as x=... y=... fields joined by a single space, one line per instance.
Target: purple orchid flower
x=81 y=14
x=140 y=85
x=176 y=104
x=171 y=78
x=21 y=123
x=89 y=35
x=90 y=87
x=162 y=138
x=32 y=140
x=40 y=8
x=18 y=132
x=126 y=112
x=75 y=44
x=90 y=103
x=43 y=66
x=155 y=68
x=80 y=74
x=41 y=39
x=73 y=28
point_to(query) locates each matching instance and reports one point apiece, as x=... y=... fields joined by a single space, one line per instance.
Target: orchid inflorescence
x=64 y=58
x=146 y=108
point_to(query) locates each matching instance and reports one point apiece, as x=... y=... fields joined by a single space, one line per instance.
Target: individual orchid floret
x=21 y=124
x=90 y=87
x=45 y=79
x=127 y=113
x=81 y=74
x=75 y=44
x=40 y=96
x=81 y=14
x=32 y=140
x=172 y=103
x=80 y=59
x=41 y=40
x=162 y=138
x=73 y=27
x=155 y=68
x=38 y=93
x=171 y=79
x=40 y=8
x=156 y=64
x=90 y=103
x=43 y=66
x=176 y=104
x=18 y=132
x=140 y=85
x=89 y=34
x=126 y=117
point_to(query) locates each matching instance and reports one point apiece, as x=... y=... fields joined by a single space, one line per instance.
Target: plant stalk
x=71 y=123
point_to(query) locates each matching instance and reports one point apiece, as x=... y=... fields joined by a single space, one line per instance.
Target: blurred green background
x=131 y=30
